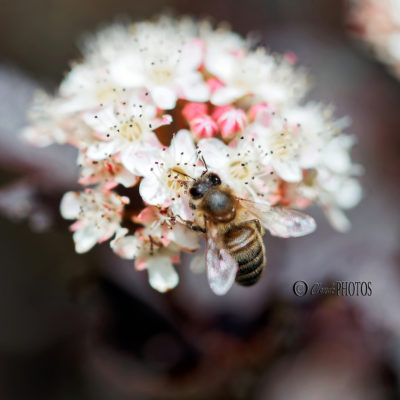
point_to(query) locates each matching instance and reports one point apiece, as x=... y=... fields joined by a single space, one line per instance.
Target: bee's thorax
x=220 y=205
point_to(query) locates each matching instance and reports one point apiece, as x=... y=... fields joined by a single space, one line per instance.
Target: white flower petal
x=288 y=171
x=102 y=150
x=126 y=71
x=182 y=146
x=70 y=205
x=125 y=178
x=226 y=95
x=336 y=154
x=349 y=194
x=220 y=63
x=191 y=57
x=337 y=160
x=100 y=121
x=337 y=219
x=162 y=274
x=184 y=237
x=309 y=157
x=125 y=246
x=274 y=93
x=85 y=239
x=193 y=87
x=214 y=152
x=164 y=97
x=138 y=158
x=152 y=192
x=180 y=207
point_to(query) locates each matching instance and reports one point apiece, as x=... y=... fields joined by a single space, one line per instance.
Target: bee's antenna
x=205 y=165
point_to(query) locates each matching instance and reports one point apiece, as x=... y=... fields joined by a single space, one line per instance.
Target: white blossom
x=153 y=106
x=88 y=86
x=167 y=172
x=125 y=128
x=110 y=172
x=240 y=165
x=151 y=256
x=98 y=216
x=155 y=247
x=377 y=22
x=165 y=61
x=50 y=123
x=258 y=75
x=280 y=145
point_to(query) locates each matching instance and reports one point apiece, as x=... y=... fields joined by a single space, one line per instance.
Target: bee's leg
x=191 y=225
x=259 y=227
x=198 y=228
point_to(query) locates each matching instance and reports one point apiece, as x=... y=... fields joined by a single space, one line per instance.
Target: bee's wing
x=283 y=222
x=221 y=268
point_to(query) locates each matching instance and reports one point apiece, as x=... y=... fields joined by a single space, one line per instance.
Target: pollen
x=131 y=131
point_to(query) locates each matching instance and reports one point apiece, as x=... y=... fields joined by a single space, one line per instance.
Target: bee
x=234 y=227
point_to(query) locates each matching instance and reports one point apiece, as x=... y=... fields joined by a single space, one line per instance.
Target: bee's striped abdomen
x=245 y=245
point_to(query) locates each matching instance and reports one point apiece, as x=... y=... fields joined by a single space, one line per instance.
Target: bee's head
x=202 y=185
x=215 y=198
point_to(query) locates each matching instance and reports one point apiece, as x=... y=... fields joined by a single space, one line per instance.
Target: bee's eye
x=215 y=179
x=195 y=192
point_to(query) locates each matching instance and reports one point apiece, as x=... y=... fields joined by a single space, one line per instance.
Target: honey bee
x=234 y=227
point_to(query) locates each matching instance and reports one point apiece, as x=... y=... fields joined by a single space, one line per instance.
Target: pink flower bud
x=193 y=110
x=256 y=109
x=214 y=84
x=231 y=122
x=262 y=112
x=203 y=126
x=219 y=110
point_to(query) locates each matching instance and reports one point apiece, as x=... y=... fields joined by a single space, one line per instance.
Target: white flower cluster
x=377 y=22
x=154 y=103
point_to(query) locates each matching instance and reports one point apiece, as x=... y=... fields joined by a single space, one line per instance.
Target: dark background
x=89 y=326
